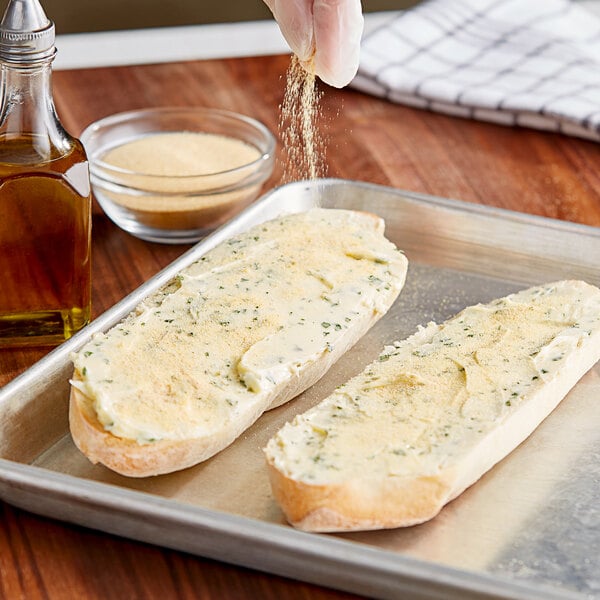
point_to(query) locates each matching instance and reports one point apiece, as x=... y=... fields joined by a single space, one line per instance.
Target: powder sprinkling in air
x=303 y=141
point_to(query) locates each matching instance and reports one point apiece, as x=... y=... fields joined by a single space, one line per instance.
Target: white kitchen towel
x=533 y=63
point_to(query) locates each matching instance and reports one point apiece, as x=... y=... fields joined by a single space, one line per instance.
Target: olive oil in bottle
x=45 y=198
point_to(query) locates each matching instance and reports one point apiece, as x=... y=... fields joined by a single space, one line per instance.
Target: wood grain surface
x=369 y=140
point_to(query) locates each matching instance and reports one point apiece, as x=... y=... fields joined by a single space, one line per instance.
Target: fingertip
x=335 y=77
x=295 y=20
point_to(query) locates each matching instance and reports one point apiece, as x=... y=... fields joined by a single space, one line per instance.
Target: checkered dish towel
x=534 y=63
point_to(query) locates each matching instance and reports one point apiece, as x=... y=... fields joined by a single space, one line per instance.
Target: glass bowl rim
x=125 y=116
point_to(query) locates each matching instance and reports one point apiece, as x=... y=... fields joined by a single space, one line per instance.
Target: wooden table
x=370 y=140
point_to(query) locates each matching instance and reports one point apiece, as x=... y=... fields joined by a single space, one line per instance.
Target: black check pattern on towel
x=533 y=63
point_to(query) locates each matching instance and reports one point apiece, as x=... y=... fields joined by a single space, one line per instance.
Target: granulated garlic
x=181 y=155
x=303 y=141
x=176 y=180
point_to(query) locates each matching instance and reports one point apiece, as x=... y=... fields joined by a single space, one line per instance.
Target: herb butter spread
x=237 y=324
x=429 y=400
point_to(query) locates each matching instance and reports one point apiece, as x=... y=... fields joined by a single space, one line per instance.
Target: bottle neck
x=27 y=109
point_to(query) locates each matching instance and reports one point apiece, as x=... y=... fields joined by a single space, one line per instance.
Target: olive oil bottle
x=45 y=197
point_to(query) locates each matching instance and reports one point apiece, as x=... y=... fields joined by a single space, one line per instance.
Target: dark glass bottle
x=45 y=198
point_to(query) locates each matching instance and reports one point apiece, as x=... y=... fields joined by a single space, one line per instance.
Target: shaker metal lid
x=26 y=33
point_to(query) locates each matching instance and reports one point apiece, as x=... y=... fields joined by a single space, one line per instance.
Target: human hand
x=324 y=34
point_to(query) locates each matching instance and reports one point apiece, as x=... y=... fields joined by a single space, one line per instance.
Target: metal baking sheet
x=530 y=528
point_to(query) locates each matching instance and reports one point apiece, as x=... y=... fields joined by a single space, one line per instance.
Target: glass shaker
x=45 y=196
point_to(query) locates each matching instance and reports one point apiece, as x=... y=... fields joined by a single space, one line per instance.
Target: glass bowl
x=152 y=201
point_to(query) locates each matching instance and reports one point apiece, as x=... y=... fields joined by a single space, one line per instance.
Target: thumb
x=338 y=27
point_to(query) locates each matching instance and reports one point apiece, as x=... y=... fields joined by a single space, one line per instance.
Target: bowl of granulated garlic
x=171 y=175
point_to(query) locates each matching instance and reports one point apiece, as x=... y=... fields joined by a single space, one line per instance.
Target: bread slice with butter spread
x=250 y=325
x=427 y=419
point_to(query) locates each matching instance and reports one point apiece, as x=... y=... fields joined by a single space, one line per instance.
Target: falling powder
x=303 y=141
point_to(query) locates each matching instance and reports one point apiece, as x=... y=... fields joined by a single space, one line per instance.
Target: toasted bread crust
x=130 y=458
x=358 y=505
